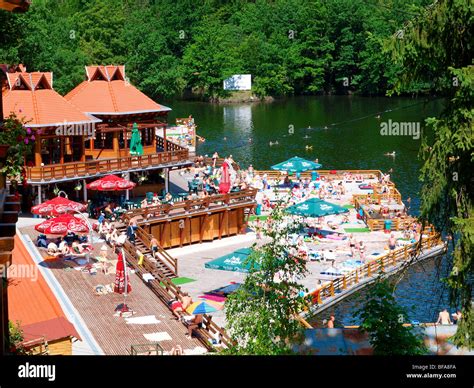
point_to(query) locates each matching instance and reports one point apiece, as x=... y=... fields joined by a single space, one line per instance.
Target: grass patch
x=357 y=230
x=254 y=218
x=179 y=281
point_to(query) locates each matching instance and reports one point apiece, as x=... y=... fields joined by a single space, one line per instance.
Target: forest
x=173 y=49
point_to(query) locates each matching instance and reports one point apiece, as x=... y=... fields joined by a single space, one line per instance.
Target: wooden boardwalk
x=111 y=332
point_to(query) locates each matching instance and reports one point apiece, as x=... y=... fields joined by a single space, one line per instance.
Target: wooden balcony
x=92 y=168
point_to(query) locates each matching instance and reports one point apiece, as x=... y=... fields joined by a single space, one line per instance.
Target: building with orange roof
x=33 y=305
x=9 y=206
x=107 y=94
x=16 y=6
x=87 y=133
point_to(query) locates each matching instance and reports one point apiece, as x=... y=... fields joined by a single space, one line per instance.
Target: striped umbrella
x=204 y=307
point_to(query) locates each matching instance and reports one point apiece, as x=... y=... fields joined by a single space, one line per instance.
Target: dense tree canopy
x=169 y=47
x=436 y=52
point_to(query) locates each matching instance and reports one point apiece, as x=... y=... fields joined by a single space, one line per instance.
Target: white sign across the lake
x=238 y=82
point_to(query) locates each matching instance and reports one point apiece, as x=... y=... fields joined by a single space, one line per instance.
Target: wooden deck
x=111 y=332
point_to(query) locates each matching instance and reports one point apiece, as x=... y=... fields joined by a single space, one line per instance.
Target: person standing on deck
x=392 y=242
x=131 y=232
x=352 y=244
x=215 y=156
x=362 y=251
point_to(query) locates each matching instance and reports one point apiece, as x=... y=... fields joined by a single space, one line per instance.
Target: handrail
x=190 y=206
x=165 y=258
x=336 y=174
x=372 y=267
x=166 y=290
x=92 y=167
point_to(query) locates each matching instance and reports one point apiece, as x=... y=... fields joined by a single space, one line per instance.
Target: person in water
x=443 y=318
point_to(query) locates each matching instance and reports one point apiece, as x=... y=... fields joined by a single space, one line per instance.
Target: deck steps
x=156 y=259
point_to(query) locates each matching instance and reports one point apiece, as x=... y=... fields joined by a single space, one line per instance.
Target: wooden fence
x=166 y=290
x=373 y=267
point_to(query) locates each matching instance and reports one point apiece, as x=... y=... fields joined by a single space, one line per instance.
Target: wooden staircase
x=163 y=261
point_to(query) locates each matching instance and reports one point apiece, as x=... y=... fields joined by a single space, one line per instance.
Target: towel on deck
x=146 y=320
x=159 y=336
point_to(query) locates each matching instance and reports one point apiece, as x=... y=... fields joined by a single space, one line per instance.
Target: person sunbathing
x=53 y=250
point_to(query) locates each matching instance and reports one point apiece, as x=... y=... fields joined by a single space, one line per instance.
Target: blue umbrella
x=315 y=207
x=296 y=164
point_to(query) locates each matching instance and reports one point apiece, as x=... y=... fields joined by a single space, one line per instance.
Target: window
x=104 y=140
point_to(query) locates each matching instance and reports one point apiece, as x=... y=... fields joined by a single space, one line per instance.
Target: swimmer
x=378 y=117
x=308 y=147
x=306 y=137
x=390 y=153
x=250 y=140
x=225 y=138
x=326 y=127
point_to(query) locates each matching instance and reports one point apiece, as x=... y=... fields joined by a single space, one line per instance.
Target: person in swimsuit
x=392 y=242
x=443 y=318
x=154 y=246
x=362 y=250
x=177 y=308
x=352 y=244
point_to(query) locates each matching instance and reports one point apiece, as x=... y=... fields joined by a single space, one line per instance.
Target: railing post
x=357 y=275
x=332 y=288
x=344 y=283
x=381 y=264
x=369 y=272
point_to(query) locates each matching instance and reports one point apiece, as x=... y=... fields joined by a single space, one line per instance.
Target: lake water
x=352 y=140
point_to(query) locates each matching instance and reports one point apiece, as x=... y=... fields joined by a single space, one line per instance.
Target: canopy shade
x=57 y=206
x=296 y=164
x=62 y=225
x=232 y=262
x=111 y=183
x=315 y=207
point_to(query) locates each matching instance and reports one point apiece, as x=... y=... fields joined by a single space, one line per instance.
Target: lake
x=343 y=132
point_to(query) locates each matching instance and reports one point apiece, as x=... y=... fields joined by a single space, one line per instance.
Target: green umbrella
x=315 y=207
x=232 y=262
x=136 y=147
x=296 y=164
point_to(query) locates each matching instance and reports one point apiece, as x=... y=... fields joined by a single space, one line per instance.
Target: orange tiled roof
x=107 y=92
x=31 y=96
x=32 y=302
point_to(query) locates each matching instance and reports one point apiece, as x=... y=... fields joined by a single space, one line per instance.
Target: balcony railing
x=103 y=166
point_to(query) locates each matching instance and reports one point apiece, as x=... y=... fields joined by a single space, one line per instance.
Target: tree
x=382 y=319
x=261 y=315
x=436 y=48
x=16 y=338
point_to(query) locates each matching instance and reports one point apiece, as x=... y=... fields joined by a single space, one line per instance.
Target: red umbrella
x=224 y=184
x=62 y=225
x=111 y=183
x=120 y=275
x=57 y=206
